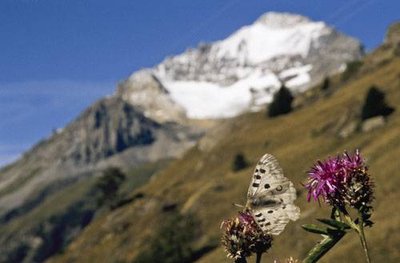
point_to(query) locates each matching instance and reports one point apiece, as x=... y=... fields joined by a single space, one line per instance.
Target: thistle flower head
x=246 y=219
x=341 y=181
x=242 y=237
x=358 y=189
x=324 y=178
x=354 y=161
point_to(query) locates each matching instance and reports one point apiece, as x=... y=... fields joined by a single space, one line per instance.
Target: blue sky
x=58 y=56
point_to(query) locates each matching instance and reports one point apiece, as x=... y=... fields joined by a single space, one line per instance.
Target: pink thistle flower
x=246 y=219
x=340 y=181
x=353 y=162
x=325 y=178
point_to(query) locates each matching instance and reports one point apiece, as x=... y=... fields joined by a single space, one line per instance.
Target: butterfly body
x=270 y=196
x=263 y=201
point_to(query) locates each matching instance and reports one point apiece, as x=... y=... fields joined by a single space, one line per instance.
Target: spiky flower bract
x=242 y=237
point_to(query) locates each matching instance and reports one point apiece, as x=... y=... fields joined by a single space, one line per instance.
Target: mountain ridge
x=202 y=183
x=140 y=123
x=247 y=67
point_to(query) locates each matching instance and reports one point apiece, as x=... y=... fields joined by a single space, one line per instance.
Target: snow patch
x=296 y=78
x=205 y=100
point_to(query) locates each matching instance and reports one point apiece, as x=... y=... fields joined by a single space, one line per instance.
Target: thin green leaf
x=334 y=223
x=322 y=247
x=334 y=232
x=315 y=229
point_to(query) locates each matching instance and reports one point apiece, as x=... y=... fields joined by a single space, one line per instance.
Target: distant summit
x=282 y=20
x=243 y=71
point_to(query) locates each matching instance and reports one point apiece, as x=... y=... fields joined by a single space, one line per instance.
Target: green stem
x=258 y=257
x=359 y=228
x=362 y=238
x=350 y=222
x=323 y=247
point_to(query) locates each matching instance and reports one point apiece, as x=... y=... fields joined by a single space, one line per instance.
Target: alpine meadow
x=168 y=168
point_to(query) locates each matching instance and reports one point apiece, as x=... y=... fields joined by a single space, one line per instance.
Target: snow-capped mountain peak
x=242 y=72
x=272 y=36
x=282 y=20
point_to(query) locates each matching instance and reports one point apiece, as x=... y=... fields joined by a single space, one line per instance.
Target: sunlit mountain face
x=242 y=72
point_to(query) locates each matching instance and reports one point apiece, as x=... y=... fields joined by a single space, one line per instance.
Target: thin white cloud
x=22 y=100
x=30 y=110
x=69 y=88
x=9 y=153
x=6 y=159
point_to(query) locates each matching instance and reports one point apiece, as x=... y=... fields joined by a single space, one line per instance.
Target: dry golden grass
x=203 y=183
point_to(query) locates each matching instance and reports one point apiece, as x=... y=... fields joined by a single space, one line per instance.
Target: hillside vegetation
x=202 y=184
x=57 y=220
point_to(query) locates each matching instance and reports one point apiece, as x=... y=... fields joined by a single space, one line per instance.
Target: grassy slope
x=60 y=205
x=202 y=182
x=60 y=201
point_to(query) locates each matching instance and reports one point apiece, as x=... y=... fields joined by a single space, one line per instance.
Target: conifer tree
x=375 y=104
x=108 y=185
x=282 y=102
x=239 y=162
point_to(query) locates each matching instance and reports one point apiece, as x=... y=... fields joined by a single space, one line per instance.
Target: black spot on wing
x=261 y=220
x=258 y=215
x=262 y=171
x=255 y=185
x=257 y=176
x=266 y=186
x=270 y=211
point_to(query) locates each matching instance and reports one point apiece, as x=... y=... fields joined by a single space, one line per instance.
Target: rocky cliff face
x=107 y=129
x=145 y=91
x=110 y=132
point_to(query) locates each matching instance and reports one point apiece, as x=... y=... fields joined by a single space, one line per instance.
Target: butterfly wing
x=272 y=220
x=267 y=171
x=271 y=196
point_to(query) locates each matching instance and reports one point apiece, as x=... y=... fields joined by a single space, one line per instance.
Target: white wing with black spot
x=273 y=220
x=270 y=196
x=267 y=172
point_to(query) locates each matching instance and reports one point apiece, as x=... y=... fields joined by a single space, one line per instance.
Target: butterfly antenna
x=238 y=205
